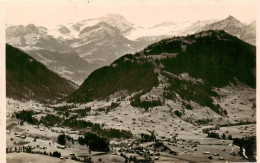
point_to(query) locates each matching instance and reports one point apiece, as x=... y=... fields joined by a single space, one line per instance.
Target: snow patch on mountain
x=168 y=29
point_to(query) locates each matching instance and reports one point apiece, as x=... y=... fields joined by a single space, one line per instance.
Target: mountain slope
x=211 y=59
x=124 y=74
x=213 y=56
x=102 y=44
x=28 y=79
x=234 y=27
x=67 y=64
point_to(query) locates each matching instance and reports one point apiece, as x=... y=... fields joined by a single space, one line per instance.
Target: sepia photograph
x=126 y=81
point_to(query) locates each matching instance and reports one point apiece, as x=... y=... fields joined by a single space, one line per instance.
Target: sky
x=141 y=12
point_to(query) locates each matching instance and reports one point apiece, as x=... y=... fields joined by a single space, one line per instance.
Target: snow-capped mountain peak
x=233 y=26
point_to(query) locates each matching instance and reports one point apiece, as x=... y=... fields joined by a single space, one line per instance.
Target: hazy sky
x=140 y=12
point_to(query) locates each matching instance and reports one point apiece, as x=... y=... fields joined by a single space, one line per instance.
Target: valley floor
x=178 y=134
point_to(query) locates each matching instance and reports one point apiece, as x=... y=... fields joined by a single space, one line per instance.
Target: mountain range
x=231 y=25
x=98 y=42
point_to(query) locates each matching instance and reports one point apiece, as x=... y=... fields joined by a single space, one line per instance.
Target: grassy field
x=26 y=158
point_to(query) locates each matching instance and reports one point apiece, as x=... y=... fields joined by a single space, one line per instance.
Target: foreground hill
x=213 y=56
x=123 y=74
x=28 y=79
x=191 y=67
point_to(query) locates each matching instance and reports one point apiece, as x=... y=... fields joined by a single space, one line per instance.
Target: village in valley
x=133 y=134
